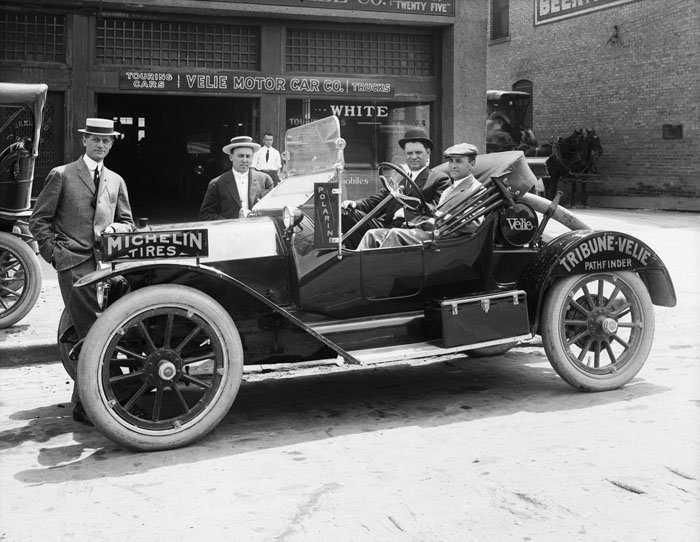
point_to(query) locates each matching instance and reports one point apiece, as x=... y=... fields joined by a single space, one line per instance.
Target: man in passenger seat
x=416 y=147
x=461 y=159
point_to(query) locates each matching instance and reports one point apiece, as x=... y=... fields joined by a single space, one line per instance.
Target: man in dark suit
x=79 y=202
x=461 y=159
x=233 y=193
x=417 y=147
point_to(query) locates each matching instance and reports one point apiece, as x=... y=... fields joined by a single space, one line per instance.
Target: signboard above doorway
x=406 y=7
x=242 y=83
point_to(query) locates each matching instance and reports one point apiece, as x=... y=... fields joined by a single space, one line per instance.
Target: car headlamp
x=102 y=294
x=291 y=216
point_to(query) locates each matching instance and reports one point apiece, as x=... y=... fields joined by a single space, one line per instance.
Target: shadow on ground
x=278 y=412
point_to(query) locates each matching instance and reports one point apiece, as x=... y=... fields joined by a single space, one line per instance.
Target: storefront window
x=372 y=130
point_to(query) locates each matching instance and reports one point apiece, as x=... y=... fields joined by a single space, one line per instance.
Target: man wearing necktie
x=417 y=147
x=234 y=193
x=78 y=203
x=461 y=159
x=268 y=159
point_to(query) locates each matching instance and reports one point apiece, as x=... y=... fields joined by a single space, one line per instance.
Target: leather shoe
x=80 y=416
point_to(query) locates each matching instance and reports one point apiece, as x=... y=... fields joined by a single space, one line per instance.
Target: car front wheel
x=20 y=279
x=160 y=368
x=597 y=330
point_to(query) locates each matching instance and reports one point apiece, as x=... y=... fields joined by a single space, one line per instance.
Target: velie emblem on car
x=155 y=244
x=518 y=224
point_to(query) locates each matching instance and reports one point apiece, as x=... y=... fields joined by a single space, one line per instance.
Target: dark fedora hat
x=415 y=134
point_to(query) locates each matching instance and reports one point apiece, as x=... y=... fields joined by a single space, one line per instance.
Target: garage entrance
x=171 y=147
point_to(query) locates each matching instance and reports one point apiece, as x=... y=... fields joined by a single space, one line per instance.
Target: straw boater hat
x=240 y=141
x=99 y=127
x=461 y=149
x=416 y=134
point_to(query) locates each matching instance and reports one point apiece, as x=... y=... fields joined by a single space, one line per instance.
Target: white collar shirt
x=91 y=164
x=267 y=159
x=242 y=185
x=412 y=175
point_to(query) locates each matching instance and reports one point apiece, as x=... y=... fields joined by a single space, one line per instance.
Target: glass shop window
x=372 y=130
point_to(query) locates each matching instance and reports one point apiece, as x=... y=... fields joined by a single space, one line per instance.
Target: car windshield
x=312 y=157
x=311 y=147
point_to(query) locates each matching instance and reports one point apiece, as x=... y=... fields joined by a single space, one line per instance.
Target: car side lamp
x=291 y=217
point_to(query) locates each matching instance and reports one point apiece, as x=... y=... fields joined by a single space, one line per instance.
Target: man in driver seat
x=416 y=146
x=461 y=159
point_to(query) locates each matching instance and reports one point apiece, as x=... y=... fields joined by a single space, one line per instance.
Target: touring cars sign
x=605 y=251
x=149 y=245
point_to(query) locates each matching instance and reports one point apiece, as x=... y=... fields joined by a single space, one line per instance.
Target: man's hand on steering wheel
x=397 y=189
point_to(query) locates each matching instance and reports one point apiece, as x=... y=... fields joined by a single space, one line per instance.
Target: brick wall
x=626 y=88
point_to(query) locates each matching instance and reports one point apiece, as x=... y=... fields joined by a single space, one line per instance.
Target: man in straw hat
x=78 y=203
x=417 y=147
x=461 y=159
x=233 y=193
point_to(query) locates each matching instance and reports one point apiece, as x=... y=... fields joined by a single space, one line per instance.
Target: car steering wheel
x=397 y=188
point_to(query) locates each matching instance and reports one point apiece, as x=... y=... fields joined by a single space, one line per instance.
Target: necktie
x=96 y=179
x=267 y=156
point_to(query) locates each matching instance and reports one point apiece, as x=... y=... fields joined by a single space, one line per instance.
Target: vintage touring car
x=21 y=107
x=195 y=302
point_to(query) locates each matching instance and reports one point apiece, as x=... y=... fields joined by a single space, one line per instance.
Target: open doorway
x=171 y=147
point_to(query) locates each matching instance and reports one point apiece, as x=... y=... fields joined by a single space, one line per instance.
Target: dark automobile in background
x=21 y=107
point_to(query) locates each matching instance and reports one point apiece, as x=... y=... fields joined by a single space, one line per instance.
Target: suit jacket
x=222 y=200
x=65 y=223
x=420 y=229
x=431 y=183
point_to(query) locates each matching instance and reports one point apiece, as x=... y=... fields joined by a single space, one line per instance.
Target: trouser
x=81 y=303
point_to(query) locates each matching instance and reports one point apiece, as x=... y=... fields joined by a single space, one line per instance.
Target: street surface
x=493 y=449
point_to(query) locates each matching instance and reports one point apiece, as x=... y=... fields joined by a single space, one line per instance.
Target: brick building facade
x=182 y=78
x=629 y=69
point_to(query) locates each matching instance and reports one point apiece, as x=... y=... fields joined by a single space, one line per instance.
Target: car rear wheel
x=160 y=368
x=20 y=279
x=597 y=330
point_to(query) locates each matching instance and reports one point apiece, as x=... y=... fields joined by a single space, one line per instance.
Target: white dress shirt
x=91 y=164
x=262 y=161
x=242 y=185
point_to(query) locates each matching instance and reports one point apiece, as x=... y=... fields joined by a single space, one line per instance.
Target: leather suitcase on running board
x=477 y=319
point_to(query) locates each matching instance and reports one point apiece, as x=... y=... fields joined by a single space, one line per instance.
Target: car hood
x=234 y=239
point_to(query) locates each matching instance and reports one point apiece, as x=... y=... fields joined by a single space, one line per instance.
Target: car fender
x=125 y=270
x=593 y=251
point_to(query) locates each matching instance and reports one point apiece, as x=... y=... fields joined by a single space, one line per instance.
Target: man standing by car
x=233 y=193
x=417 y=147
x=81 y=201
x=268 y=159
x=461 y=159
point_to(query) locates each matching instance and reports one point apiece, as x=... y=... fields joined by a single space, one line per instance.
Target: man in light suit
x=417 y=147
x=233 y=193
x=79 y=202
x=461 y=159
